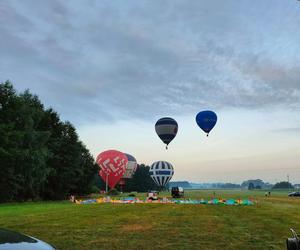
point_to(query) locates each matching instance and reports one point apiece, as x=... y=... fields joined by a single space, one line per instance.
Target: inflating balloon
x=206 y=120
x=166 y=128
x=161 y=172
x=113 y=166
x=131 y=167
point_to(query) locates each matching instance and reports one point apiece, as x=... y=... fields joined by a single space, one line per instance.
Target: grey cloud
x=106 y=60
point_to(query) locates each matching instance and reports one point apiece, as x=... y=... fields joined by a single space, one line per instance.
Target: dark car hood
x=10 y=240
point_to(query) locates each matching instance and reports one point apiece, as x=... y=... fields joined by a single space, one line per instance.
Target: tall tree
x=71 y=166
x=8 y=142
x=41 y=157
x=23 y=148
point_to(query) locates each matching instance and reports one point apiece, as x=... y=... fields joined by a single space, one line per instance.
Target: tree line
x=41 y=156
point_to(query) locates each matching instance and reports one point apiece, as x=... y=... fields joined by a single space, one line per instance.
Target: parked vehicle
x=15 y=241
x=294 y=194
x=177 y=192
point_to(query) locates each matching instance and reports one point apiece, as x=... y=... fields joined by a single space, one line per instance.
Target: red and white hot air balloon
x=113 y=166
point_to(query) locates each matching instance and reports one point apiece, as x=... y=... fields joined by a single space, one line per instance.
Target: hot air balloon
x=206 y=120
x=161 y=172
x=113 y=166
x=131 y=167
x=166 y=128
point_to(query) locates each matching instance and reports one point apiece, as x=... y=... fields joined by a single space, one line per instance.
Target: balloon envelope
x=161 y=172
x=113 y=165
x=166 y=128
x=206 y=120
x=131 y=167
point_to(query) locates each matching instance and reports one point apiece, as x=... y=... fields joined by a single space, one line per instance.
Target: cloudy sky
x=113 y=68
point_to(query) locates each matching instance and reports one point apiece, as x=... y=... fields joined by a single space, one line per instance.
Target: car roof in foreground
x=10 y=240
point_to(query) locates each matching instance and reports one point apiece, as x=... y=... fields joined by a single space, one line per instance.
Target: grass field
x=159 y=226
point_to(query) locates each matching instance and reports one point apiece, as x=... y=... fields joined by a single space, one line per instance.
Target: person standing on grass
x=72 y=198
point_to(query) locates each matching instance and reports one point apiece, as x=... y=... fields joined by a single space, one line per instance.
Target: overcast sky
x=113 y=68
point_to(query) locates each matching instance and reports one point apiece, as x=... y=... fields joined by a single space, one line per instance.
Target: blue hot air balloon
x=166 y=128
x=161 y=172
x=206 y=120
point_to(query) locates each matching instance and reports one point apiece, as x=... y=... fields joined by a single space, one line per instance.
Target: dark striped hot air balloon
x=161 y=172
x=131 y=167
x=166 y=128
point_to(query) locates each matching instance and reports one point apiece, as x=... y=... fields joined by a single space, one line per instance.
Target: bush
x=131 y=195
x=283 y=185
x=113 y=192
x=95 y=190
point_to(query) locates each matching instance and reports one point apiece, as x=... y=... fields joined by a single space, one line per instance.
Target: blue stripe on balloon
x=163 y=172
x=166 y=121
x=167 y=137
x=162 y=180
x=157 y=180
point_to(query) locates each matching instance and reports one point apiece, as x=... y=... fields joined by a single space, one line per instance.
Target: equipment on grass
x=294 y=242
x=177 y=192
x=152 y=195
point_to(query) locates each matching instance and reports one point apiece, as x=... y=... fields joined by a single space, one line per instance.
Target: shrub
x=95 y=189
x=113 y=192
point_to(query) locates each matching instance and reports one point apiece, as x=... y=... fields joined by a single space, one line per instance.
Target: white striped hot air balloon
x=161 y=172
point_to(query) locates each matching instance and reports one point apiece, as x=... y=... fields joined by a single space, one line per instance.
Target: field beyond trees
x=159 y=226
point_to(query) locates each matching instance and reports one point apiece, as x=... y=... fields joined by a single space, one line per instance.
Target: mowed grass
x=159 y=226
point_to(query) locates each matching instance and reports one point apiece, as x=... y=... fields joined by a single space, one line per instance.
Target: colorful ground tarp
x=133 y=200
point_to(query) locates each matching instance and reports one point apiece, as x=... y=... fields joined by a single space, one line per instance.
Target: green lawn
x=159 y=226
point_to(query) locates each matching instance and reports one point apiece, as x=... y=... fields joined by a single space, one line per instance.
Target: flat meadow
x=66 y=225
